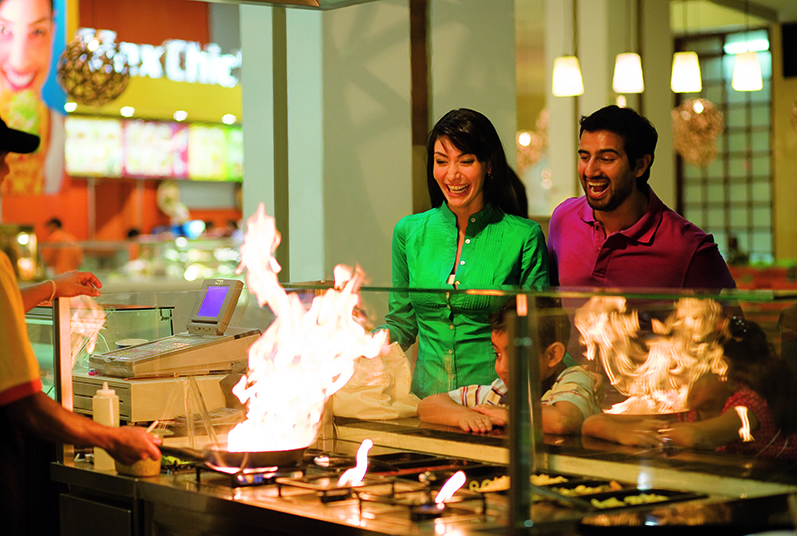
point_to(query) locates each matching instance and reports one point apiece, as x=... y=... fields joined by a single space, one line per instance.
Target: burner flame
x=354 y=476
x=744 y=431
x=304 y=356
x=450 y=487
x=656 y=372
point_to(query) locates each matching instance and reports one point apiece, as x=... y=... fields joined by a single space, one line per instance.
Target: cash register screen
x=214 y=310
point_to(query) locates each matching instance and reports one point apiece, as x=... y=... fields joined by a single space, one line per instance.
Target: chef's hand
x=498 y=415
x=130 y=444
x=76 y=284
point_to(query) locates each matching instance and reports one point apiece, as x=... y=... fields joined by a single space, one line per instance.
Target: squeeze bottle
x=105 y=409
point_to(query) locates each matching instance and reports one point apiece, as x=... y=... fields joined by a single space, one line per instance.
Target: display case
x=649 y=355
x=121 y=322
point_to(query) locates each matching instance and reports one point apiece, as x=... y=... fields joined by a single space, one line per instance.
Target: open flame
x=87 y=320
x=450 y=487
x=355 y=475
x=744 y=431
x=303 y=358
x=657 y=372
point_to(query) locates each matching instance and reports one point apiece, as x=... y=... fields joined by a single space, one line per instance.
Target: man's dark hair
x=55 y=222
x=638 y=134
x=553 y=324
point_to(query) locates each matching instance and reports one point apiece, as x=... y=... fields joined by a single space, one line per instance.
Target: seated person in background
x=62 y=252
x=758 y=380
x=568 y=390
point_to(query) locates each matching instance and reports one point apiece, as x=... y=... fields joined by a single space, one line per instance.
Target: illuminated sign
x=181 y=61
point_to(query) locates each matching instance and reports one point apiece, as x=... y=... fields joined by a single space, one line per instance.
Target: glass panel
x=760 y=141
x=762 y=217
x=739 y=217
x=715 y=193
x=715 y=217
x=695 y=214
x=737 y=167
x=711 y=69
x=763 y=95
x=762 y=242
x=715 y=169
x=761 y=190
x=691 y=172
x=693 y=194
x=761 y=165
x=737 y=141
x=761 y=116
x=737 y=192
x=736 y=116
x=706 y=45
x=713 y=92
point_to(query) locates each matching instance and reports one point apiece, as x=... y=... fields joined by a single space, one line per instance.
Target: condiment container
x=105 y=410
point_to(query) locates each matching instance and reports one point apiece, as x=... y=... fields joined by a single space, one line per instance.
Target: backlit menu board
x=153 y=149
x=93 y=147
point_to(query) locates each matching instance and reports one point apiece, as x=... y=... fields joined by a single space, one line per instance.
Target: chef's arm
x=48 y=420
x=64 y=286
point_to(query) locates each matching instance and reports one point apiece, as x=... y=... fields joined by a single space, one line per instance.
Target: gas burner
x=424 y=508
x=251 y=477
x=327 y=489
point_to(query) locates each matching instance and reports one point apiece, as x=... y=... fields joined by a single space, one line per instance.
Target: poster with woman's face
x=31 y=40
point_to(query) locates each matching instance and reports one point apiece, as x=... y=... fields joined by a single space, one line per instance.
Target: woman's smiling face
x=460 y=176
x=26 y=38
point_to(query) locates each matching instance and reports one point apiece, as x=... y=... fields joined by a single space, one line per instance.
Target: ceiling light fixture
x=628 y=65
x=746 y=69
x=567 y=81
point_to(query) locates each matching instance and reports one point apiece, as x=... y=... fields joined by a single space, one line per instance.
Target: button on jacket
x=500 y=251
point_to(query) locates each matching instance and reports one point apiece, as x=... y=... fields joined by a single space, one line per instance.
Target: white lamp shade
x=567 y=80
x=747 y=73
x=685 y=73
x=628 y=74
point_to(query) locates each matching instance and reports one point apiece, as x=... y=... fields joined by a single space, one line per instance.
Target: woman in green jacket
x=474 y=237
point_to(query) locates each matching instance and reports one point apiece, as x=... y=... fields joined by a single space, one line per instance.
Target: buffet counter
x=711 y=490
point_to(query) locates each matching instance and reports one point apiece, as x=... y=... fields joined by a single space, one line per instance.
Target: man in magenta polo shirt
x=619 y=234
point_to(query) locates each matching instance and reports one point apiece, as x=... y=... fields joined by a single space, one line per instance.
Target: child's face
x=500 y=340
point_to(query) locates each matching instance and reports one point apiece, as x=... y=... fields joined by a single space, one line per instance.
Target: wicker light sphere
x=696 y=125
x=92 y=69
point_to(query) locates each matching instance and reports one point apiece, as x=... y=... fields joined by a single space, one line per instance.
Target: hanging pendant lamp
x=747 y=73
x=628 y=74
x=685 y=73
x=567 y=81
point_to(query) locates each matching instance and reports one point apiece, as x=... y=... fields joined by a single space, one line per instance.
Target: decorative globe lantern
x=92 y=69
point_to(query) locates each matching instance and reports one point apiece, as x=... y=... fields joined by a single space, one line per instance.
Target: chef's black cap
x=16 y=141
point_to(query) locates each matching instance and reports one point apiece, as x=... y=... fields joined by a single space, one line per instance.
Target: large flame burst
x=655 y=373
x=304 y=356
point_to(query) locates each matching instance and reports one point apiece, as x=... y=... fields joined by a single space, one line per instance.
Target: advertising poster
x=31 y=42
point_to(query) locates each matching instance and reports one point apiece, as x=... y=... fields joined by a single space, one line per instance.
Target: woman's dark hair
x=472 y=133
x=638 y=134
x=753 y=361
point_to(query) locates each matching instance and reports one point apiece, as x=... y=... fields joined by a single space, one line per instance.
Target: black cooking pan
x=217 y=456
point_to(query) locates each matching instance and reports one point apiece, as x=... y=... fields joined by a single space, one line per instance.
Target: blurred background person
x=60 y=250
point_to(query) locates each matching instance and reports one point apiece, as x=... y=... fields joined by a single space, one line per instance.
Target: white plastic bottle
x=105 y=409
